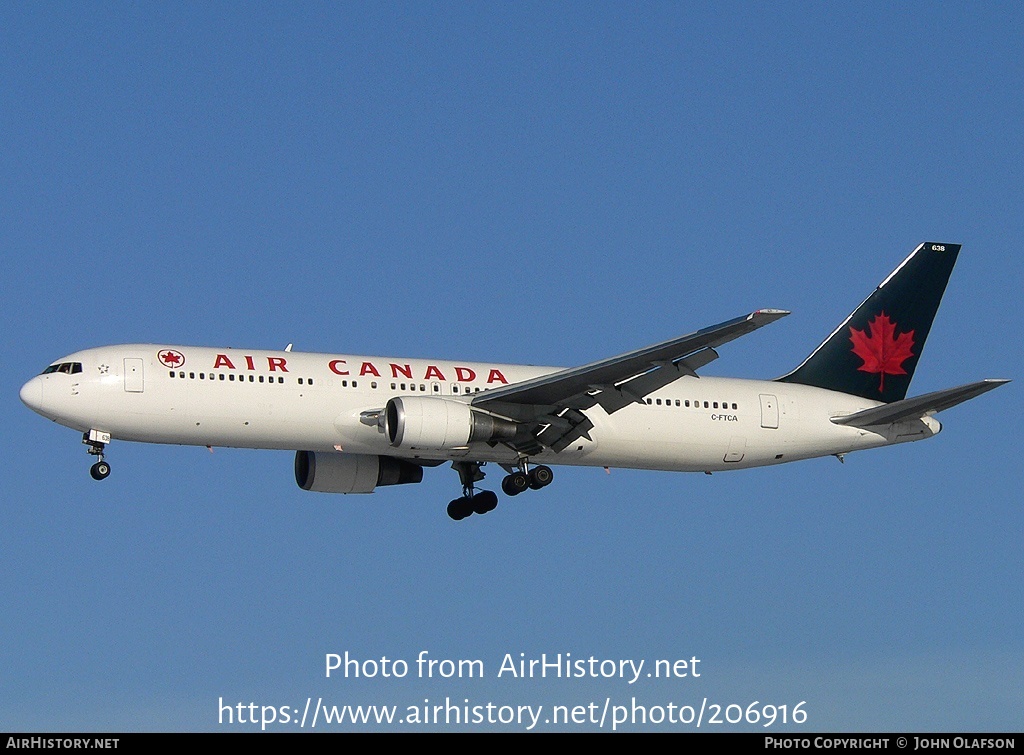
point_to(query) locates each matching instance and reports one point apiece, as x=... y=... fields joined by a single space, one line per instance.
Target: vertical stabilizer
x=874 y=352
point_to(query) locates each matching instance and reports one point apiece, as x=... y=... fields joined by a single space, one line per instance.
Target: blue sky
x=541 y=183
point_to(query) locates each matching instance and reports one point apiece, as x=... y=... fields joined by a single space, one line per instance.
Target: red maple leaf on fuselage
x=881 y=349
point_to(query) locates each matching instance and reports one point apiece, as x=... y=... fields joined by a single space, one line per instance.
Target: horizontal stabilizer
x=919 y=406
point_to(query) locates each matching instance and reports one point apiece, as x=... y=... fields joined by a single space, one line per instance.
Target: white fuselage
x=316 y=402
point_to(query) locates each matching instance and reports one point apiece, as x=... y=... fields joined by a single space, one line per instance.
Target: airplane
x=360 y=422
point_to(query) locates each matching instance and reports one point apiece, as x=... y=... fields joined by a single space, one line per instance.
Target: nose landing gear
x=100 y=470
x=97 y=441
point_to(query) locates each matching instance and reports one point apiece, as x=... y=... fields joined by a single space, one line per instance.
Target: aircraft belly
x=668 y=439
x=103 y=404
x=185 y=415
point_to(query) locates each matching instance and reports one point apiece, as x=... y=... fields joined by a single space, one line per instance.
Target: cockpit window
x=70 y=368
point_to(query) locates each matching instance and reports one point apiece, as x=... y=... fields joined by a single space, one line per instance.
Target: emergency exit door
x=769 y=411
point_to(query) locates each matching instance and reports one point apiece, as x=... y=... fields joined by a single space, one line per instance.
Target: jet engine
x=351 y=473
x=439 y=423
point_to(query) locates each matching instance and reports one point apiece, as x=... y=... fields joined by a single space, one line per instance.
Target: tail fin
x=874 y=352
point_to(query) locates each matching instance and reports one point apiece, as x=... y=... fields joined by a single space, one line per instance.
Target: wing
x=558 y=400
x=919 y=406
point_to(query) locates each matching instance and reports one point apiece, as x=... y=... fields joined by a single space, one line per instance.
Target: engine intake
x=351 y=473
x=428 y=422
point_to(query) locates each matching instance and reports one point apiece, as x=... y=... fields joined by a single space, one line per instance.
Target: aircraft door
x=769 y=411
x=737 y=449
x=133 y=377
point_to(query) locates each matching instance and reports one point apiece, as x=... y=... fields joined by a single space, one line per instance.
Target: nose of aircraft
x=32 y=394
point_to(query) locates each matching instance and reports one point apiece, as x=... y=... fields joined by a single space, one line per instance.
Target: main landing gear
x=473 y=502
x=535 y=479
x=97 y=441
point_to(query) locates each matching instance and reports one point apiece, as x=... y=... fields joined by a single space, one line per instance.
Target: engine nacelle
x=429 y=422
x=351 y=473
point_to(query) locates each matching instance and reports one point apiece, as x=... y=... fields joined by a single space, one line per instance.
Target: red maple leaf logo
x=883 y=351
x=171 y=358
